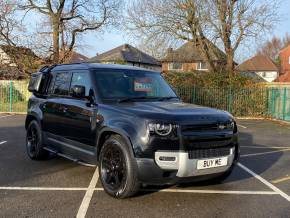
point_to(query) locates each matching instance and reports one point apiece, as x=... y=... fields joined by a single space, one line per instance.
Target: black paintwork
x=78 y=127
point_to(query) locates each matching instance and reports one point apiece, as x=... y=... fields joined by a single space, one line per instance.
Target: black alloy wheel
x=118 y=168
x=34 y=145
x=113 y=168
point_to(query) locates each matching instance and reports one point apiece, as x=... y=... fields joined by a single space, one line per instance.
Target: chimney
x=169 y=50
x=125 y=47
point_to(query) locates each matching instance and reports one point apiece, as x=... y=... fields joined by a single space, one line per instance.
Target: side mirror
x=78 y=91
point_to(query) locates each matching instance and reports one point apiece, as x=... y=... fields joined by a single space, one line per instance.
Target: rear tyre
x=34 y=143
x=118 y=169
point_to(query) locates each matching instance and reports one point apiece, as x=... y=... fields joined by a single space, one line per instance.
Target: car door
x=80 y=114
x=53 y=109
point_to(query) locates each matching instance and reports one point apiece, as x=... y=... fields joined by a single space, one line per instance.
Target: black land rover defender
x=130 y=123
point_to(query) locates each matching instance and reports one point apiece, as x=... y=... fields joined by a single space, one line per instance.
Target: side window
x=82 y=79
x=61 y=84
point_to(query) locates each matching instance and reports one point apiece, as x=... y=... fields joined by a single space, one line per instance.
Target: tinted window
x=62 y=83
x=126 y=84
x=82 y=79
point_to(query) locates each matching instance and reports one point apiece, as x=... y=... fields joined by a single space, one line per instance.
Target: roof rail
x=47 y=68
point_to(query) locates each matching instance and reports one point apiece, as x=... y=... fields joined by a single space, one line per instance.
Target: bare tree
x=72 y=17
x=8 y=22
x=228 y=22
x=167 y=21
x=272 y=47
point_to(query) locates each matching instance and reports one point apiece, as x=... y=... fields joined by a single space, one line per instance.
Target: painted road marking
x=42 y=188
x=244 y=127
x=3 y=142
x=88 y=196
x=146 y=190
x=281 y=180
x=274 y=188
x=265 y=147
x=7 y=116
x=262 y=153
x=212 y=191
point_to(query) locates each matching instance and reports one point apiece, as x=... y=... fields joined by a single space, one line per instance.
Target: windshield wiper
x=137 y=98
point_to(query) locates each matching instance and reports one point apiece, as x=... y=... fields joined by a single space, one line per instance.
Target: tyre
x=34 y=146
x=118 y=169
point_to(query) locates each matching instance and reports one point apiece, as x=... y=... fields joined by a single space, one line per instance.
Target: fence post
x=10 y=96
x=284 y=104
x=230 y=99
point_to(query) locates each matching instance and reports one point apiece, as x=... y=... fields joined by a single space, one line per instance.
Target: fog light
x=162 y=158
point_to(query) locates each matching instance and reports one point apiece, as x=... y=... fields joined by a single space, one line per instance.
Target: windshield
x=126 y=84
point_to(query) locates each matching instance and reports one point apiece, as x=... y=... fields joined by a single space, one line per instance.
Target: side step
x=69 y=157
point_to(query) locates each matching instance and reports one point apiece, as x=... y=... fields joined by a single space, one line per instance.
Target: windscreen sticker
x=143 y=85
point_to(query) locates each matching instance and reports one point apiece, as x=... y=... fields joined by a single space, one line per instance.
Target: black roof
x=86 y=66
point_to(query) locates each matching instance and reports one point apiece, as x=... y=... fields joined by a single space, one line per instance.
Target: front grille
x=208 y=153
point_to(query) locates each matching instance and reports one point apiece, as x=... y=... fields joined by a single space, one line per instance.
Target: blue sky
x=106 y=41
x=100 y=42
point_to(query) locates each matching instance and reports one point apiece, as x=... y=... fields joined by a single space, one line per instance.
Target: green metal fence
x=258 y=101
x=13 y=96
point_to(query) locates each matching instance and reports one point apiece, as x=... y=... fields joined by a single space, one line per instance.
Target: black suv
x=130 y=123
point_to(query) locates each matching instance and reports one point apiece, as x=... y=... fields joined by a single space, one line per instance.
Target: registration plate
x=212 y=163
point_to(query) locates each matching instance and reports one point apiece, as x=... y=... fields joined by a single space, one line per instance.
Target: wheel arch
x=106 y=133
x=31 y=117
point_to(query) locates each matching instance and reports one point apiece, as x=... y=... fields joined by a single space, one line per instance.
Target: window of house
x=62 y=83
x=175 y=66
x=202 y=66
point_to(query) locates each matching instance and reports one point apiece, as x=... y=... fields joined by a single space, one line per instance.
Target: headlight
x=160 y=129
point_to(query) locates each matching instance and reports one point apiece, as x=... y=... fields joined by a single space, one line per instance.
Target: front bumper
x=178 y=167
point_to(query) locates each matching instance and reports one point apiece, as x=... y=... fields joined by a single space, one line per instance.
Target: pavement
x=258 y=187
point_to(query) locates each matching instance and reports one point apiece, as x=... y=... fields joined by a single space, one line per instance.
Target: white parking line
x=213 y=191
x=286 y=178
x=145 y=190
x=88 y=196
x=10 y=115
x=274 y=188
x=42 y=188
x=3 y=142
x=265 y=147
x=244 y=127
x=262 y=153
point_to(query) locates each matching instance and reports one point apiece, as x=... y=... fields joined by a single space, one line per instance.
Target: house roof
x=77 y=58
x=258 y=63
x=284 y=49
x=125 y=53
x=191 y=52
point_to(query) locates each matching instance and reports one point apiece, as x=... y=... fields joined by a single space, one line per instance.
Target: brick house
x=188 y=58
x=285 y=60
x=129 y=55
x=284 y=57
x=259 y=67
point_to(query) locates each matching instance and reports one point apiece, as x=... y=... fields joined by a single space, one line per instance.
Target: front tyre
x=117 y=168
x=34 y=144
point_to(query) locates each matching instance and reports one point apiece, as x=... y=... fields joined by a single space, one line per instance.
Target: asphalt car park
x=258 y=187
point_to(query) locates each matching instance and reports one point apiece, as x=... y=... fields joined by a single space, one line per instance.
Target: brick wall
x=284 y=57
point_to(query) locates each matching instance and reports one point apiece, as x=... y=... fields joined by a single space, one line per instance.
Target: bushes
x=236 y=93
x=207 y=79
